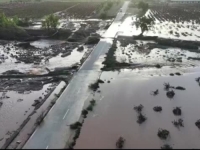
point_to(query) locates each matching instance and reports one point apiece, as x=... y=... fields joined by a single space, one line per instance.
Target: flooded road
x=113 y=116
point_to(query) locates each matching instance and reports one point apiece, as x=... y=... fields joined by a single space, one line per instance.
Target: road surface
x=54 y=132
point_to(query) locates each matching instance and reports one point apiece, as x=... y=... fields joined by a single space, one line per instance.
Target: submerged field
x=114 y=116
x=161 y=77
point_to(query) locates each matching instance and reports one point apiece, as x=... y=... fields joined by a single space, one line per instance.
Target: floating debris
x=163 y=134
x=170 y=94
x=177 y=111
x=178 y=123
x=157 y=108
x=120 y=142
x=139 y=108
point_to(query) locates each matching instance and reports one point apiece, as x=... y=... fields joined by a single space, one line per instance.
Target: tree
x=144 y=24
x=144 y=6
x=50 y=22
x=6 y=22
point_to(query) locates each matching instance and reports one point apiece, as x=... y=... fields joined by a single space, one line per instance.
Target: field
x=145 y=81
x=39 y=10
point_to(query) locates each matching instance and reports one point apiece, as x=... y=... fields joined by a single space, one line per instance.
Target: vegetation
x=177 y=111
x=75 y=125
x=141 y=118
x=144 y=24
x=139 y=108
x=9 y=29
x=157 y=108
x=94 y=86
x=120 y=142
x=84 y=113
x=51 y=22
x=197 y=123
x=144 y=6
x=110 y=62
x=6 y=22
x=178 y=123
x=103 y=15
x=163 y=134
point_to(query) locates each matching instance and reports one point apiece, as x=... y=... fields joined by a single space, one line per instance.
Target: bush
x=75 y=125
x=93 y=102
x=13 y=33
x=103 y=15
x=90 y=107
x=84 y=113
x=163 y=134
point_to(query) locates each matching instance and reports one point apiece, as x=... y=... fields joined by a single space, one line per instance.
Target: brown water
x=114 y=116
x=12 y=112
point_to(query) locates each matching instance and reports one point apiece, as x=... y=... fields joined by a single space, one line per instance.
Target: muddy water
x=13 y=110
x=114 y=116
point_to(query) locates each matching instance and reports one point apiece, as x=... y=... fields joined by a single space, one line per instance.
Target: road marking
x=33 y=134
x=47 y=147
x=66 y=114
x=52 y=108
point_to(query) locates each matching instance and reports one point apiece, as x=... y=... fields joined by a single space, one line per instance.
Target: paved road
x=53 y=132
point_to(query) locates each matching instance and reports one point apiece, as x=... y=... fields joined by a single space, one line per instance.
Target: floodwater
x=162 y=29
x=130 y=54
x=72 y=59
x=57 y=61
x=46 y=43
x=113 y=115
x=13 y=111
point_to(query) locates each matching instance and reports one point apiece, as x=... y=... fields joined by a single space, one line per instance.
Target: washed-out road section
x=54 y=132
